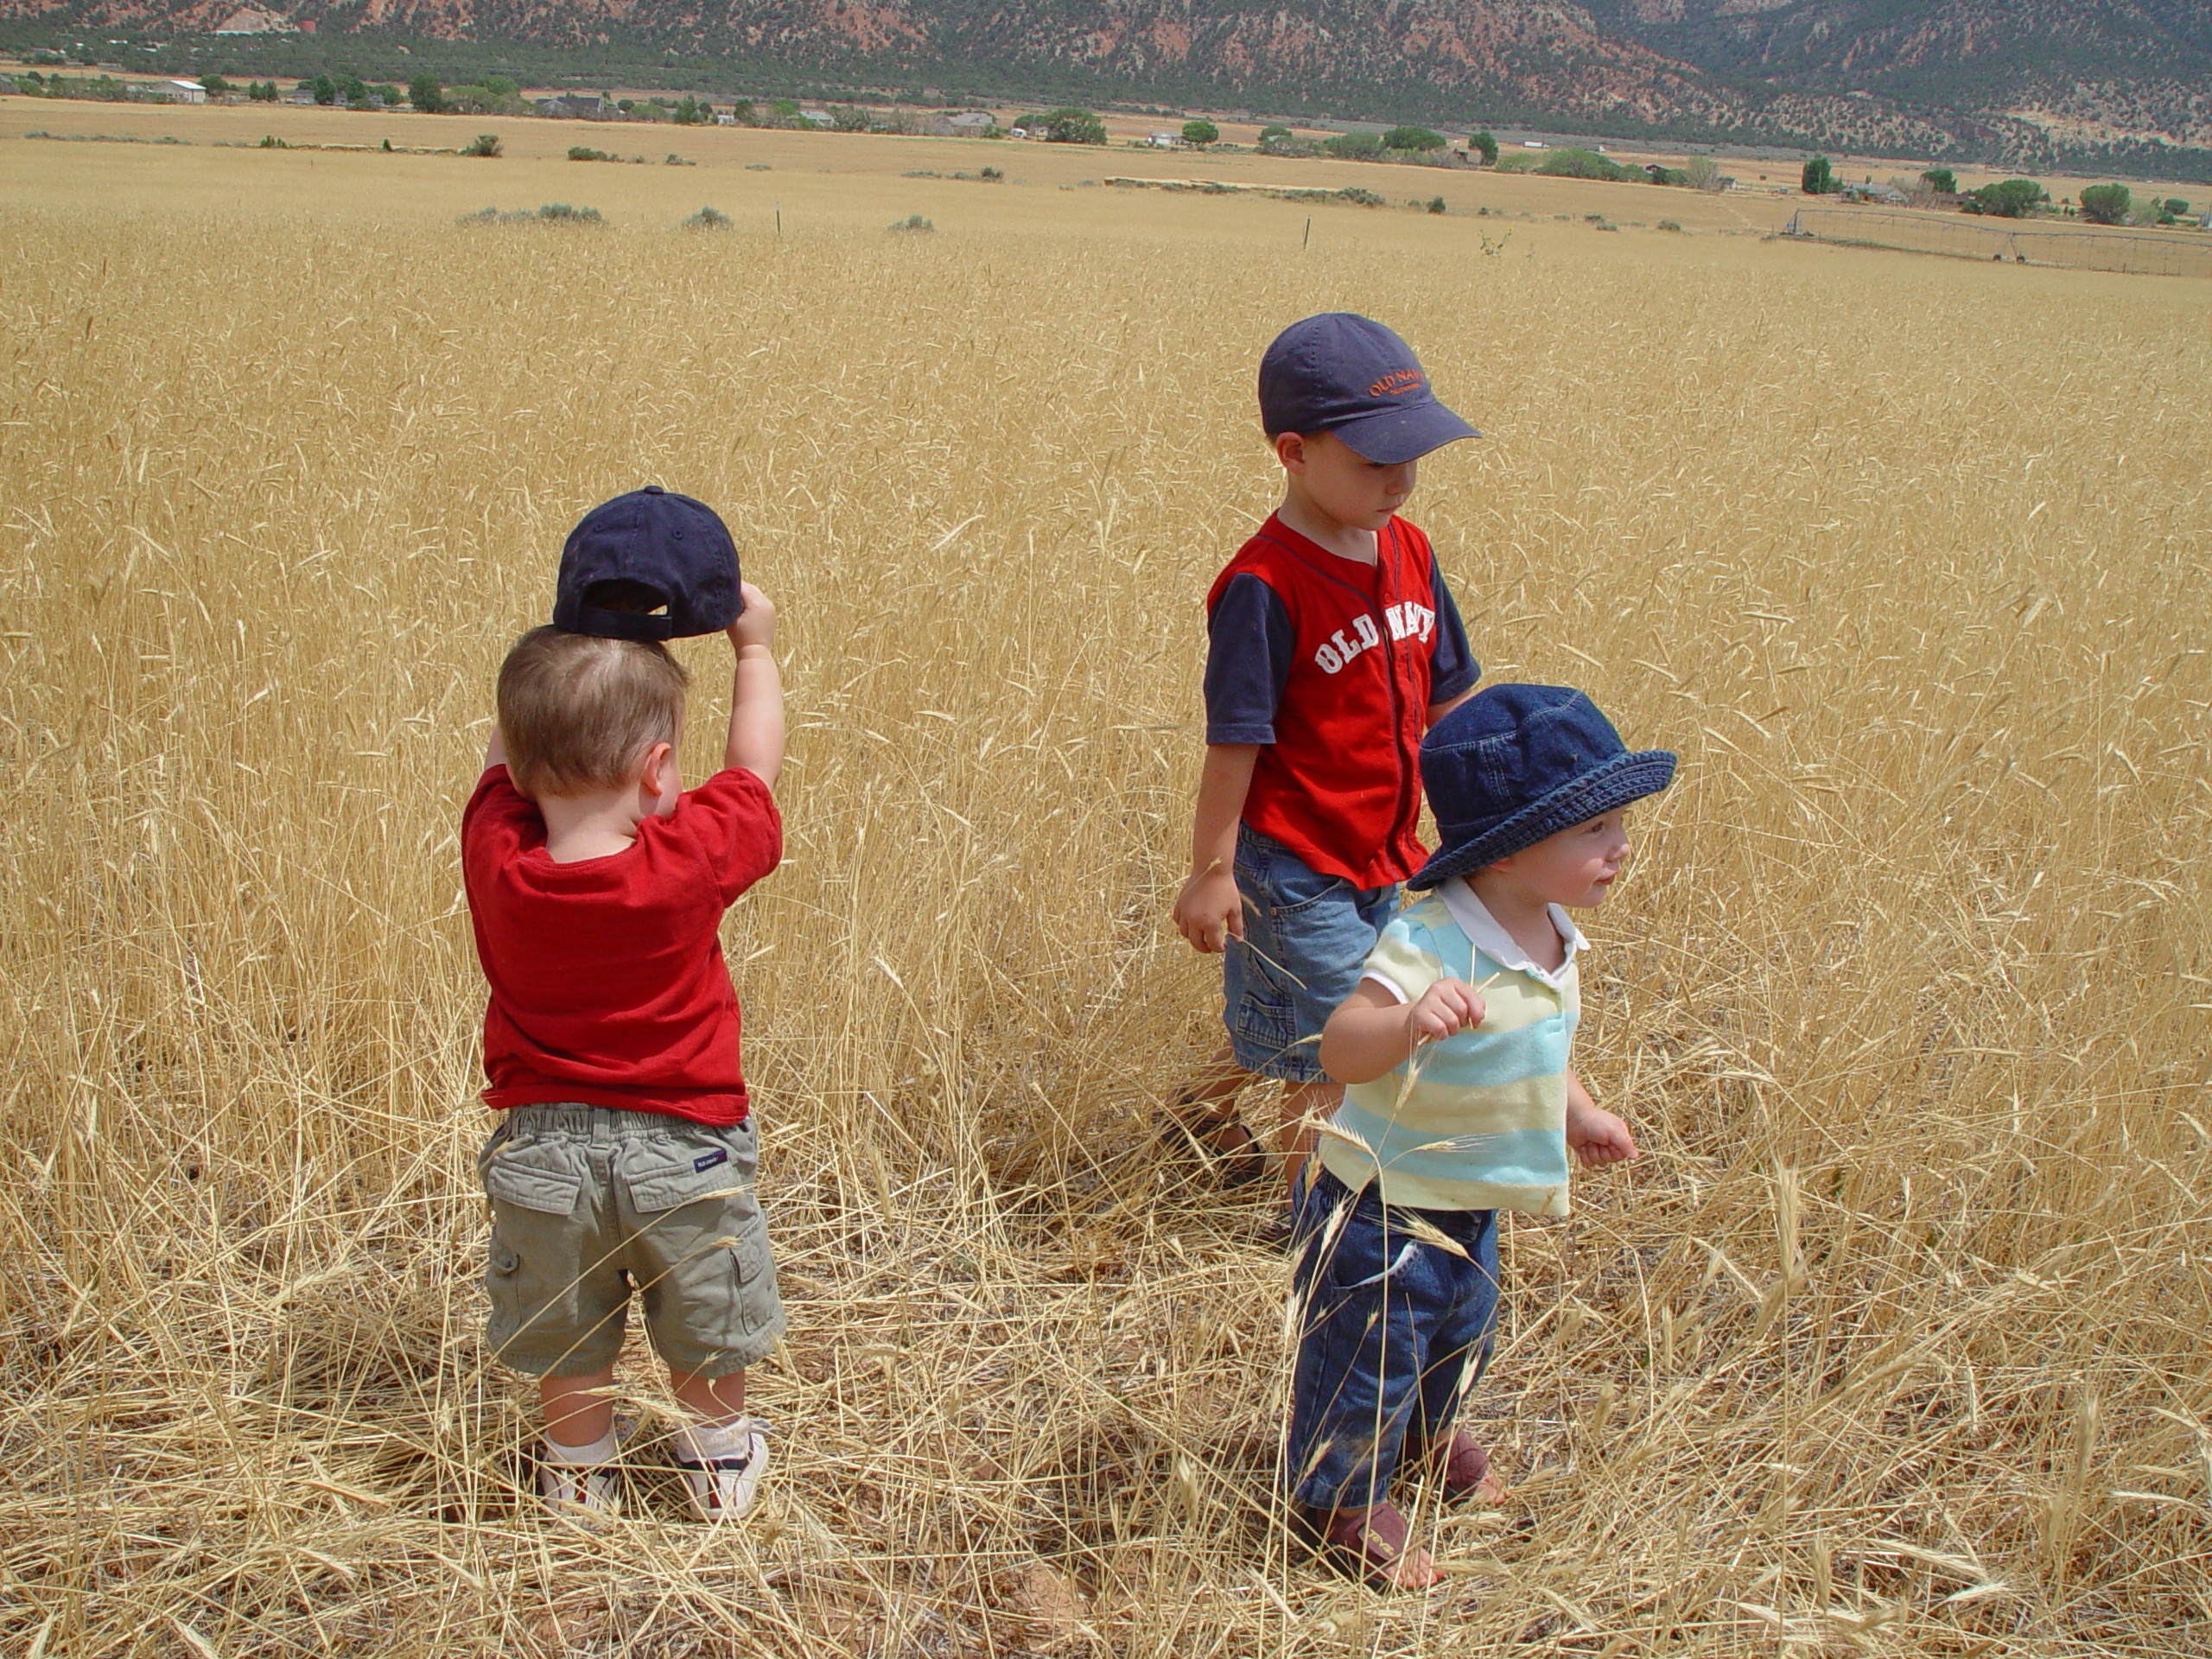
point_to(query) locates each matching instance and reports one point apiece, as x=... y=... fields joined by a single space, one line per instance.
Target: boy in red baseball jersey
x=1333 y=645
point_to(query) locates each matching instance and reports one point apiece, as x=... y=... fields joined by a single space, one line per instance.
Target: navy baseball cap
x=1514 y=764
x=1348 y=374
x=648 y=565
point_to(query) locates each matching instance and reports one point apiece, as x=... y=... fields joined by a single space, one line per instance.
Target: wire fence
x=2162 y=253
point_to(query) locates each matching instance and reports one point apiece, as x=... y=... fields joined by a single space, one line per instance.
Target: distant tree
x=1436 y=204
x=687 y=113
x=1586 y=164
x=484 y=144
x=2174 y=209
x=1819 y=178
x=353 y=89
x=215 y=86
x=426 y=94
x=1270 y=134
x=2106 y=204
x=1410 y=138
x=1354 y=146
x=2011 y=198
x=263 y=92
x=742 y=112
x=1484 y=145
x=1199 y=133
x=500 y=86
x=325 y=89
x=1072 y=126
x=850 y=117
x=389 y=93
x=1942 y=179
x=1701 y=173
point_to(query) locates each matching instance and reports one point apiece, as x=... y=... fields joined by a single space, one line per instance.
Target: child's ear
x=1290 y=450
x=652 y=772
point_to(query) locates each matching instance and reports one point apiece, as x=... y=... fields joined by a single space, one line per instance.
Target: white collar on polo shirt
x=1488 y=934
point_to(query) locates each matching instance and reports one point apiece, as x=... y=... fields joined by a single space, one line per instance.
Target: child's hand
x=756 y=623
x=1449 y=1006
x=1209 y=911
x=1595 y=1137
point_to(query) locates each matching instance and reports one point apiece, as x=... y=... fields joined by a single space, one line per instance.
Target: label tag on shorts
x=708 y=1160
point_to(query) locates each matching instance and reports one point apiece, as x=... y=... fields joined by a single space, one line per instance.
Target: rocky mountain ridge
x=2020 y=81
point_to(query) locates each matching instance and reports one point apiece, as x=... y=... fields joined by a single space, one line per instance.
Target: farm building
x=820 y=118
x=303 y=93
x=1165 y=140
x=968 y=123
x=576 y=106
x=178 y=92
x=6 y=85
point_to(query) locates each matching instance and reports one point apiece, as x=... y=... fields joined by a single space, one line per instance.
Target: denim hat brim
x=1625 y=778
x=1392 y=435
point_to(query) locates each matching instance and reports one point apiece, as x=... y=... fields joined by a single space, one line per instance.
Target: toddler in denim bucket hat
x=1461 y=1102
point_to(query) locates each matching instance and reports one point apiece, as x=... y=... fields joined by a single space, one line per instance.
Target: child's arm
x=1209 y=908
x=1594 y=1134
x=1371 y=1032
x=756 y=692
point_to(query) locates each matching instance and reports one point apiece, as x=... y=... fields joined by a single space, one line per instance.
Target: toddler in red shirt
x=625 y=1155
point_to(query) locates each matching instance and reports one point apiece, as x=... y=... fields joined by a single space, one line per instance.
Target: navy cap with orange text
x=1347 y=374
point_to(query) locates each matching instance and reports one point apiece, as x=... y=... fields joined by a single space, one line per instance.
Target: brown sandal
x=1463 y=1468
x=1221 y=1140
x=1377 y=1544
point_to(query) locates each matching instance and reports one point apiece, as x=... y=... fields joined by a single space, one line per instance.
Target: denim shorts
x=1393 y=1333
x=590 y=1203
x=1306 y=936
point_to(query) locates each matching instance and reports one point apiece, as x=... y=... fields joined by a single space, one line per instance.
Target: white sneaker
x=581 y=1490
x=722 y=1488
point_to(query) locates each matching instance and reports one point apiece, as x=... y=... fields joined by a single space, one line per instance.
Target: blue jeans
x=1393 y=1333
x=1306 y=937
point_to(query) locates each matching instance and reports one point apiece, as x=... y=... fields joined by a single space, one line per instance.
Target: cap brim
x=1626 y=778
x=1394 y=435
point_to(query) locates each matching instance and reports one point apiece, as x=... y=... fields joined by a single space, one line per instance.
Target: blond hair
x=578 y=712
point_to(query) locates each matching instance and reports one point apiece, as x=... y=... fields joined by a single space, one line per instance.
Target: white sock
x=706 y=1442
x=599 y=1451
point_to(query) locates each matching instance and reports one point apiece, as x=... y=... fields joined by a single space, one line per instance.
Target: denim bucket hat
x=660 y=547
x=1516 y=763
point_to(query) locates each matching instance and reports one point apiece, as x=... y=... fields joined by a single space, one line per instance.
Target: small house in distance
x=574 y=106
x=178 y=91
x=966 y=123
x=820 y=118
x=1163 y=139
x=303 y=93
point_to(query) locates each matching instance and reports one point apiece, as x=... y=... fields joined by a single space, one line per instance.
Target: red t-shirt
x=608 y=986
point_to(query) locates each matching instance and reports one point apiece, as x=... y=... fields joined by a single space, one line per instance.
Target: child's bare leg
x=577 y=1410
x=1217 y=1084
x=1295 y=1139
x=714 y=1400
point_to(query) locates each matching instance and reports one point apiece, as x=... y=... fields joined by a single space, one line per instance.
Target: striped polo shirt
x=1478 y=1120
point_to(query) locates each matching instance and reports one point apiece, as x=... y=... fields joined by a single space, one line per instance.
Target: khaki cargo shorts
x=590 y=1203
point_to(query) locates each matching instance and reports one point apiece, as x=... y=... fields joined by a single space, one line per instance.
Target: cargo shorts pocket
x=545 y=1176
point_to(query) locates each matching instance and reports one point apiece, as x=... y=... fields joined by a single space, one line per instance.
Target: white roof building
x=181 y=91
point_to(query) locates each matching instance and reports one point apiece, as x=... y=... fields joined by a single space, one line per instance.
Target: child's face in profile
x=1343 y=483
x=1574 y=868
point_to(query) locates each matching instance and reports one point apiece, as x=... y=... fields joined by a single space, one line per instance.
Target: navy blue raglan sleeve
x=1248 y=645
x=1452 y=664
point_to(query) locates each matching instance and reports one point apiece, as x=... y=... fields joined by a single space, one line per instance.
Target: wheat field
x=1895 y=1342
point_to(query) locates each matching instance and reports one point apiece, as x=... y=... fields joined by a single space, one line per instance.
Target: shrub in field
x=911 y=223
x=1586 y=164
x=707 y=219
x=2009 y=199
x=1670 y=224
x=270 y=141
x=1817 y=178
x=1359 y=198
x=481 y=216
x=559 y=212
x=991 y=175
x=1072 y=126
x=1436 y=204
x=1199 y=133
x=484 y=143
x=1413 y=138
x=586 y=153
x=2105 y=204
x=1354 y=146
